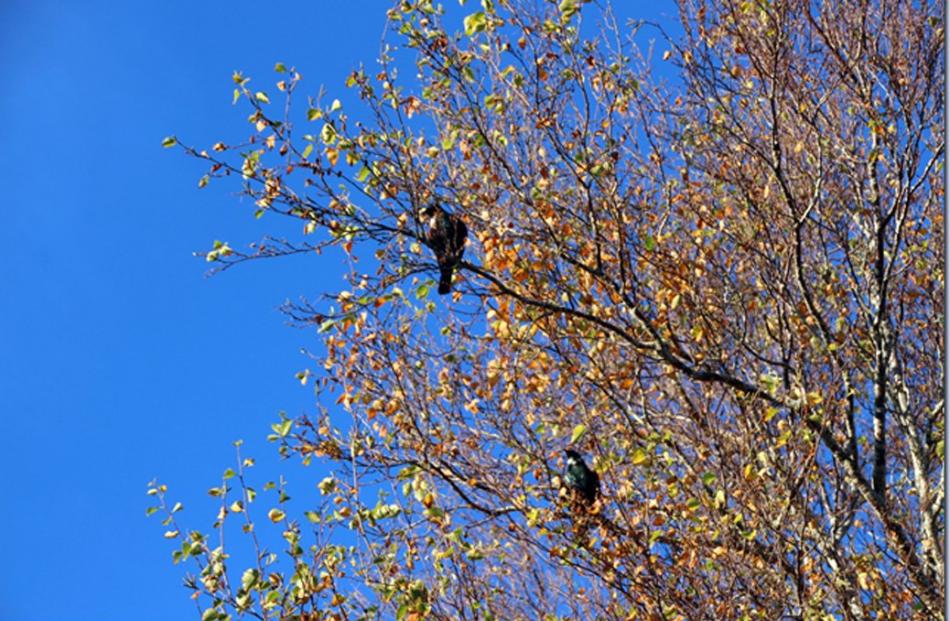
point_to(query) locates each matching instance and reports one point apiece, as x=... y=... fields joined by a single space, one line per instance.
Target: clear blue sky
x=120 y=361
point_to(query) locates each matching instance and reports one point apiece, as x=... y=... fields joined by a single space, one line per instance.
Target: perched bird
x=445 y=234
x=580 y=478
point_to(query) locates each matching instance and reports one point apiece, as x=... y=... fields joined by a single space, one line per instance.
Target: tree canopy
x=722 y=287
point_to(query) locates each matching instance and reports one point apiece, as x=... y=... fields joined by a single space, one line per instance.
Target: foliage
x=726 y=289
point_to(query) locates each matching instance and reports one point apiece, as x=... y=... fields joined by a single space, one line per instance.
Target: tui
x=580 y=478
x=445 y=234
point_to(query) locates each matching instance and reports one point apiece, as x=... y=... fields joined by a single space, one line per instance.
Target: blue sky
x=120 y=360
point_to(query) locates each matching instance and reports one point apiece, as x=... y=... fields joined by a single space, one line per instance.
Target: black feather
x=445 y=279
x=580 y=478
x=444 y=234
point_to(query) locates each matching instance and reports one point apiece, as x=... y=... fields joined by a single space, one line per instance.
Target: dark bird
x=445 y=234
x=580 y=478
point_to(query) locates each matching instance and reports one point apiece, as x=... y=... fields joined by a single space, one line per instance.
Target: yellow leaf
x=720 y=498
x=697 y=333
x=640 y=457
x=579 y=431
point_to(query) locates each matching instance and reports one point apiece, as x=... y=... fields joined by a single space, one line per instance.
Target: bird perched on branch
x=445 y=234
x=581 y=479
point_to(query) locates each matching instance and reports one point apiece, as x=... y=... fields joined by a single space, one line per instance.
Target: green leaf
x=314 y=113
x=476 y=22
x=151 y=511
x=275 y=515
x=280 y=68
x=640 y=457
x=407 y=473
x=282 y=428
x=579 y=431
x=568 y=8
x=228 y=474
x=382 y=512
x=307 y=151
x=327 y=485
x=709 y=478
x=169 y=141
x=327 y=134
x=262 y=97
x=362 y=174
x=422 y=291
x=249 y=578
x=770 y=382
x=220 y=249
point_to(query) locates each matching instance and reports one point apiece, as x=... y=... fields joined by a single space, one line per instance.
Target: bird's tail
x=445 y=280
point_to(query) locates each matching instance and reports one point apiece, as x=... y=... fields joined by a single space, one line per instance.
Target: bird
x=581 y=479
x=444 y=233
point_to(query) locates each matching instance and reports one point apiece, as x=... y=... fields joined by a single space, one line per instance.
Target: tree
x=724 y=288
